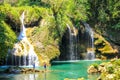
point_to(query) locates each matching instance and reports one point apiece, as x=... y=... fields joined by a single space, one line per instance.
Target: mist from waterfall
x=23 y=53
x=90 y=48
x=72 y=43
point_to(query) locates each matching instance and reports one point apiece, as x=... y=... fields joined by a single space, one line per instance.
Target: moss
x=9 y=11
x=98 y=42
x=111 y=71
x=7 y=39
x=44 y=38
x=108 y=70
x=44 y=43
x=32 y=14
x=46 y=33
x=95 y=65
x=103 y=46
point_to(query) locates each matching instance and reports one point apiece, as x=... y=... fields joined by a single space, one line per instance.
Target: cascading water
x=23 y=30
x=75 y=42
x=72 y=43
x=23 y=52
x=90 y=48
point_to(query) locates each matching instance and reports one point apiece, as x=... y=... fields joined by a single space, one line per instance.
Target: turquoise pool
x=58 y=71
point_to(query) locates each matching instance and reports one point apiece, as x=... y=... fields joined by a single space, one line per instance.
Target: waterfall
x=23 y=30
x=72 y=43
x=23 y=52
x=90 y=48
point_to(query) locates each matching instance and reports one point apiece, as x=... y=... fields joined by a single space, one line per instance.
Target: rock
x=37 y=70
x=102 y=64
x=104 y=47
x=101 y=69
x=111 y=34
x=92 y=69
x=110 y=77
x=12 y=70
x=20 y=70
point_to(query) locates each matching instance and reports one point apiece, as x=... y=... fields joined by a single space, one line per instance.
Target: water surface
x=58 y=71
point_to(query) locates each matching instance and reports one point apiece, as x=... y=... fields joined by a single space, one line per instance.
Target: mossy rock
x=103 y=46
x=44 y=43
x=111 y=70
x=92 y=69
x=19 y=70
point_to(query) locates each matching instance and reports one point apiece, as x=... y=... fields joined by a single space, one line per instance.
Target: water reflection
x=26 y=77
x=45 y=76
x=57 y=72
x=33 y=76
x=18 y=76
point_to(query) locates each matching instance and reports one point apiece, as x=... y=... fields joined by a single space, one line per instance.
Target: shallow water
x=58 y=71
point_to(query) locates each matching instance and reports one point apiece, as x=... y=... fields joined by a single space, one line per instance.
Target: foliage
x=95 y=65
x=116 y=26
x=116 y=62
x=63 y=11
x=105 y=12
x=108 y=70
x=7 y=39
x=66 y=11
x=2 y=16
x=51 y=16
x=111 y=70
x=7 y=10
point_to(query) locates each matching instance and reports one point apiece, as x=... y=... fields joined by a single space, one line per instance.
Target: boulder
x=92 y=69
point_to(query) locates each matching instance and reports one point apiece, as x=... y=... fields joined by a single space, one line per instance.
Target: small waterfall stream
x=23 y=30
x=23 y=52
x=90 y=48
x=72 y=43
x=75 y=43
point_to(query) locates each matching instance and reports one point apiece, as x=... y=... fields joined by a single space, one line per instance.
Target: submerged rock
x=18 y=70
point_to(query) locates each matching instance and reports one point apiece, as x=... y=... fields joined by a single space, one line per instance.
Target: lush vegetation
x=46 y=24
x=108 y=70
x=103 y=48
x=105 y=12
x=48 y=19
x=7 y=39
